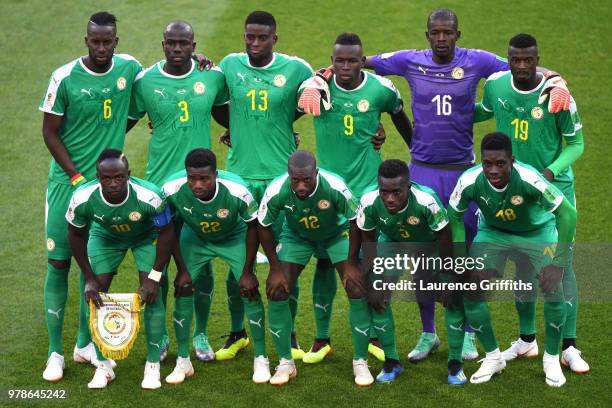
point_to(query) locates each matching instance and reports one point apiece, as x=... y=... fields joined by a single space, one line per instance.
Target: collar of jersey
x=499 y=190
x=164 y=73
x=537 y=88
x=214 y=196
x=361 y=85
x=265 y=66
x=121 y=203
x=90 y=72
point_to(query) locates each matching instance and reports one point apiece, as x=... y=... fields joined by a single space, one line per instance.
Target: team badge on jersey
x=222 y=213
x=412 y=220
x=363 y=105
x=516 y=200
x=280 y=80
x=323 y=204
x=51 y=244
x=457 y=73
x=199 y=88
x=121 y=83
x=537 y=113
x=135 y=216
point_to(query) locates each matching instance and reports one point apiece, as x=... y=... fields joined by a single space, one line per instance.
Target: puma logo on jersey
x=256 y=323
x=100 y=217
x=276 y=333
x=207 y=294
x=384 y=220
x=87 y=91
x=364 y=332
x=241 y=76
x=477 y=329
x=558 y=327
x=161 y=93
x=55 y=312
x=502 y=102
x=381 y=329
x=189 y=210
x=424 y=71
x=179 y=322
x=322 y=307
x=290 y=207
x=460 y=328
x=519 y=298
x=569 y=302
x=485 y=199
x=155 y=344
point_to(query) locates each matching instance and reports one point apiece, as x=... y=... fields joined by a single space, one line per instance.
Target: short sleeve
x=248 y=206
x=137 y=105
x=55 y=100
x=489 y=63
x=569 y=122
x=392 y=63
x=269 y=208
x=436 y=215
x=462 y=194
x=223 y=95
x=77 y=214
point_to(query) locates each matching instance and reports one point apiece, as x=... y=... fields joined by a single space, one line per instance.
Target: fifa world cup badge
x=114 y=326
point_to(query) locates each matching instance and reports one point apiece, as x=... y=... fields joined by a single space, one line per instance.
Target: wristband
x=76 y=179
x=155 y=275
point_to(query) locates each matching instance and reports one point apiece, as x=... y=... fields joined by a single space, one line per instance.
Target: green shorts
x=293 y=249
x=257 y=187
x=198 y=252
x=530 y=250
x=56 y=203
x=106 y=253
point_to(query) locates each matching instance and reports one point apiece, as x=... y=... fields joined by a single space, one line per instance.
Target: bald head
x=179 y=27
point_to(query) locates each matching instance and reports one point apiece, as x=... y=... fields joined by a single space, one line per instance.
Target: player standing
x=123 y=213
x=343 y=136
x=179 y=100
x=317 y=206
x=538 y=138
x=85 y=111
x=515 y=204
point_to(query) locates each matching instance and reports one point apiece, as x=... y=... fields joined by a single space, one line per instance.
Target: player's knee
x=59 y=264
x=324 y=263
x=277 y=294
x=354 y=290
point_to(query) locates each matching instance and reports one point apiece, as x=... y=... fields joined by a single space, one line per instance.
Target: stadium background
x=39 y=36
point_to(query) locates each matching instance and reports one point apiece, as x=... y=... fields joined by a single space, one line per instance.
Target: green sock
x=83 y=335
x=257 y=322
x=324 y=286
x=526 y=316
x=279 y=315
x=454 y=318
x=294 y=297
x=570 y=291
x=479 y=316
x=55 y=295
x=360 y=318
x=384 y=325
x=155 y=323
x=182 y=316
x=234 y=304
x=202 y=300
x=554 y=319
x=165 y=287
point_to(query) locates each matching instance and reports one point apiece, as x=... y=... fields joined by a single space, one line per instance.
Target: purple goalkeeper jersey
x=443 y=99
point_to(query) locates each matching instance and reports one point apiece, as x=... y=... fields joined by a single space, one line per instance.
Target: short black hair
x=261 y=18
x=200 y=158
x=111 y=154
x=496 y=141
x=393 y=168
x=523 y=40
x=348 y=39
x=103 y=18
x=443 y=14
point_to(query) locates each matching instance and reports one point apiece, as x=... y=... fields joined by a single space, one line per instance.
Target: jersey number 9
x=348 y=125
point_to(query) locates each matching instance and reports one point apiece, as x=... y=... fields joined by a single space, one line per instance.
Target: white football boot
x=363 y=376
x=553 y=371
x=55 y=368
x=261 y=370
x=285 y=371
x=520 y=348
x=182 y=370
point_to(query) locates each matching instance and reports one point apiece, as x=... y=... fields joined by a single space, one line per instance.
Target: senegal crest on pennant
x=114 y=326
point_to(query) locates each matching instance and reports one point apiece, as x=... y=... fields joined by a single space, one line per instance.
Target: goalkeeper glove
x=316 y=91
x=559 y=94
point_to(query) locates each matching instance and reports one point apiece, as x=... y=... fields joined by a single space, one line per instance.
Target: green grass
x=39 y=36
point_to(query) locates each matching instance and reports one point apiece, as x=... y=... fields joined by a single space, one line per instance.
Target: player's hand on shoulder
x=204 y=63
x=550 y=278
x=379 y=137
x=555 y=89
x=225 y=138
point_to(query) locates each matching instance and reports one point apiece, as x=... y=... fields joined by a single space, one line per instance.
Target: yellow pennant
x=114 y=326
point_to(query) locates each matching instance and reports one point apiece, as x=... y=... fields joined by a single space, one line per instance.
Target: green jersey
x=179 y=107
x=344 y=132
x=95 y=110
x=423 y=215
x=525 y=204
x=536 y=134
x=133 y=220
x=262 y=110
x=320 y=216
x=215 y=220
